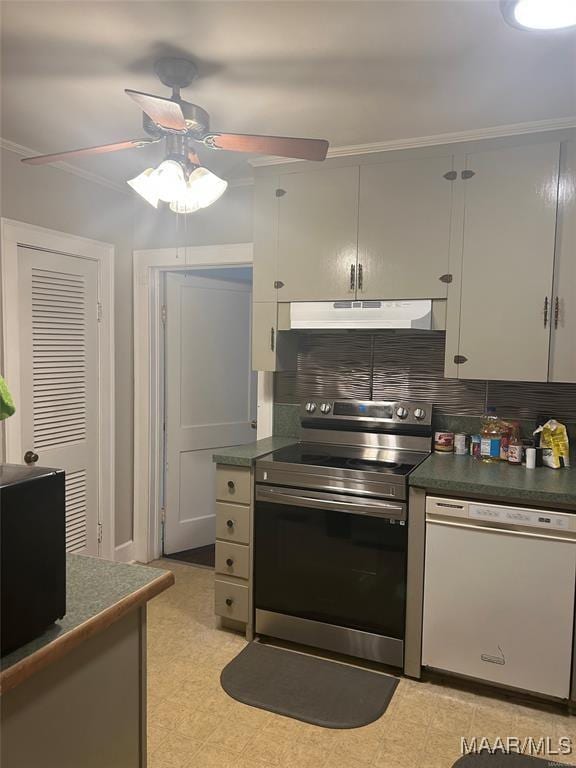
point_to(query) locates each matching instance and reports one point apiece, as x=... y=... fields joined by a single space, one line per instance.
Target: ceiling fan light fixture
x=145 y=185
x=170 y=180
x=203 y=189
x=540 y=14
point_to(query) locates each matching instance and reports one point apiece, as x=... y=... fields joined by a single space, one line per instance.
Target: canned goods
x=444 y=442
x=475 y=443
x=460 y=444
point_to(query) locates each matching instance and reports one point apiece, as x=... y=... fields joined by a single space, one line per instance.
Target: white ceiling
x=352 y=72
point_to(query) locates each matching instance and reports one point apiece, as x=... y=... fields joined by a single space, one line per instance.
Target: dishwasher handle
x=519 y=531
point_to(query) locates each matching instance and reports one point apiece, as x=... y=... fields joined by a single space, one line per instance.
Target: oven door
x=330 y=558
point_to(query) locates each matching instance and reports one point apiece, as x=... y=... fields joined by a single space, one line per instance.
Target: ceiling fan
x=180 y=180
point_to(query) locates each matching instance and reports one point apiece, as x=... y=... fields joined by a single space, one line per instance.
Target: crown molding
x=494 y=132
x=245 y=181
x=18 y=149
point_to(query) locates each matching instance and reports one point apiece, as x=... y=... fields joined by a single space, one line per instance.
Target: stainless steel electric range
x=331 y=527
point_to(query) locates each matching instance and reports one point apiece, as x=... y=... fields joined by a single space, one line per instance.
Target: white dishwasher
x=499 y=594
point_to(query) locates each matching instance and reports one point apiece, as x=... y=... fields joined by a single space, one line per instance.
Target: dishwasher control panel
x=513 y=516
x=501 y=516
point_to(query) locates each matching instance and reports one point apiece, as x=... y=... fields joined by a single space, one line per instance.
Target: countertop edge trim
x=60 y=646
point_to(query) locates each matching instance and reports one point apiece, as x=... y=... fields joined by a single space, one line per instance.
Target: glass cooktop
x=348 y=457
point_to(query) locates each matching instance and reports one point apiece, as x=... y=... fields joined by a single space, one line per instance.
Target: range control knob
x=310 y=407
x=419 y=413
x=402 y=412
x=325 y=408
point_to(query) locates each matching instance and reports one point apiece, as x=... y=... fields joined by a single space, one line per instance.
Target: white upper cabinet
x=404 y=228
x=506 y=302
x=563 y=351
x=317 y=234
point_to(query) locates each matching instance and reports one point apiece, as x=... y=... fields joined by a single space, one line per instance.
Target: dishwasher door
x=499 y=594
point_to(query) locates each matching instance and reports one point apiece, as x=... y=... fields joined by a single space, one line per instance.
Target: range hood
x=361 y=314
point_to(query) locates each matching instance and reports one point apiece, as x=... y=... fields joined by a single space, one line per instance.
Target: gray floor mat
x=306 y=688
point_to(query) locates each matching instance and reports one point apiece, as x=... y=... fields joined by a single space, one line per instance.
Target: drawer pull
x=230 y=523
x=229 y=562
x=229 y=602
x=231 y=485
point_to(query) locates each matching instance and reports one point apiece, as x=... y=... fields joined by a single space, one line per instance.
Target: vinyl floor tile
x=193 y=723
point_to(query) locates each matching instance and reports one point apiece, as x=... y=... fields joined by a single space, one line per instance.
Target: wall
x=52 y=198
x=228 y=220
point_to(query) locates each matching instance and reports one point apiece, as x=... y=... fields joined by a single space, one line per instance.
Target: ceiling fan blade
x=100 y=150
x=165 y=112
x=284 y=146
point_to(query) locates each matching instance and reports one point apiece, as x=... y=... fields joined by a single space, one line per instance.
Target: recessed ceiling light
x=540 y=14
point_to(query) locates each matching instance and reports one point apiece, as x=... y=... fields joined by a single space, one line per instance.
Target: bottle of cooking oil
x=490 y=437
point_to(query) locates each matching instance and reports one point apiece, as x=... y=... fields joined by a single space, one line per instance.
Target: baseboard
x=125 y=552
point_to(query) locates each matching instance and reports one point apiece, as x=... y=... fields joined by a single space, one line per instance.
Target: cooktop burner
x=348 y=457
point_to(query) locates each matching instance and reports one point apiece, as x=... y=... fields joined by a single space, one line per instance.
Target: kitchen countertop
x=246 y=455
x=465 y=475
x=98 y=593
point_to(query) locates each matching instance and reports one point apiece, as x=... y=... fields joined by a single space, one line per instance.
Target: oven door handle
x=368 y=508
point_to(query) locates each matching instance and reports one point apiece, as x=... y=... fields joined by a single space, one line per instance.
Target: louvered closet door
x=59 y=380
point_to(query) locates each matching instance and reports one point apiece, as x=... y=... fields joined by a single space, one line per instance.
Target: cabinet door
x=317 y=235
x=507 y=263
x=404 y=229
x=264 y=335
x=265 y=239
x=563 y=351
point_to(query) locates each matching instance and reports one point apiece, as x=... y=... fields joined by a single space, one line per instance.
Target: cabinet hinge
x=278 y=284
x=163 y=314
x=447 y=278
x=451 y=175
x=280 y=192
x=459 y=359
x=163 y=515
x=99 y=311
x=99 y=533
x=468 y=174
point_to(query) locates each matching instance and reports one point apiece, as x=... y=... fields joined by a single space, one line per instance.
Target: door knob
x=229 y=562
x=30 y=457
x=229 y=601
x=254 y=424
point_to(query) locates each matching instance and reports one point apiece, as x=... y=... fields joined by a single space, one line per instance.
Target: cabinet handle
x=545 y=311
x=229 y=601
x=229 y=562
x=360 y=277
x=231 y=485
x=556 y=312
x=352 y=276
x=272 y=334
x=230 y=523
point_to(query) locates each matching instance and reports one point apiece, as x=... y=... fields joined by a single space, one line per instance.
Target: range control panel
x=402 y=411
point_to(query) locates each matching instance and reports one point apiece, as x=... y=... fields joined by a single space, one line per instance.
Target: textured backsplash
x=395 y=365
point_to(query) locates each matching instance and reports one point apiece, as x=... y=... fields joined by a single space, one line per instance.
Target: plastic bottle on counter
x=490 y=437
x=515 y=449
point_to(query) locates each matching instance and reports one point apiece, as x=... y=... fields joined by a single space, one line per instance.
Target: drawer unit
x=232 y=523
x=233 y=484
x=233 y=559
x=231 y=600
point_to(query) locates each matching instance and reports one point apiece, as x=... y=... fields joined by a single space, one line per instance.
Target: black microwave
x=33 y=552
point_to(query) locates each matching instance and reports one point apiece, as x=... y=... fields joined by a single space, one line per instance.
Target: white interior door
x=210 y=396
x=59 y=402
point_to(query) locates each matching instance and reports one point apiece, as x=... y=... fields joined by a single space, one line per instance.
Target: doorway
x=210 y=398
